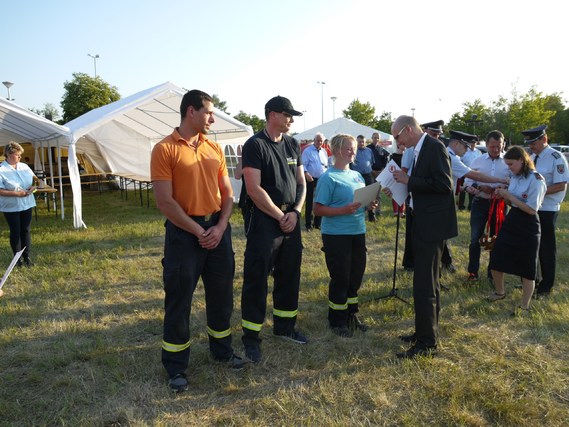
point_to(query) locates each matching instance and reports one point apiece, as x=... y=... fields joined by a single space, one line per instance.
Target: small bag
x=488 y=240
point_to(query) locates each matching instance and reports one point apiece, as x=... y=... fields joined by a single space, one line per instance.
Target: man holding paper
x=343 y=235
x=434 y=221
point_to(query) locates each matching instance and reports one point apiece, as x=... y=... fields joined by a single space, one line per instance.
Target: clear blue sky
x=431 y=56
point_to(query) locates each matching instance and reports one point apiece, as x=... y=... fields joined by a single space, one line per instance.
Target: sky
x=403 y=57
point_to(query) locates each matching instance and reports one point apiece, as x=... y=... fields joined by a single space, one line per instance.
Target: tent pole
x=60 y=180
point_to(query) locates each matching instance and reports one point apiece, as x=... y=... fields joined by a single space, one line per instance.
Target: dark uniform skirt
x=517 y=245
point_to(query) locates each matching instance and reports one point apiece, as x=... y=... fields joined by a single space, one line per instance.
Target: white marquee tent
x=20 y=125
x=342 y=125
x=118 y=138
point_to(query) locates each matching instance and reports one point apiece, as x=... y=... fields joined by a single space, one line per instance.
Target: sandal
x=495 y=296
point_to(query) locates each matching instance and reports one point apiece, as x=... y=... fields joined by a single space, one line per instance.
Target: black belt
x=286 y=207
x=205 y=218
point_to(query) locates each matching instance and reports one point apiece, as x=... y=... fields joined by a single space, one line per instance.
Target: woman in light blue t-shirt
x=17 y=200
x=343 y=235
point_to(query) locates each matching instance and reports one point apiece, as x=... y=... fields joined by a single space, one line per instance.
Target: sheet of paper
x=398 y=190
x=367 y=194
x=11 y=266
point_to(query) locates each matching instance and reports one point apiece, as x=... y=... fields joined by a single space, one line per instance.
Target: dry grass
x=81 y=332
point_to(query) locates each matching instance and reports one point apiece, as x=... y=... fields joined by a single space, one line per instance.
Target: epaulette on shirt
x=556 y=154
x=538 y=176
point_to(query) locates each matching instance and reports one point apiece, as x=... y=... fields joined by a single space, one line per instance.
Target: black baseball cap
x=280 y=104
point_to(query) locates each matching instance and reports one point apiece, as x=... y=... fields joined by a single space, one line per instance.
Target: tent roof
x=20 y=125
x=151 y=114
x=342 y=125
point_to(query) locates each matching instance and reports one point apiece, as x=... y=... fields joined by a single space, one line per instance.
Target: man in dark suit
x=434 y=221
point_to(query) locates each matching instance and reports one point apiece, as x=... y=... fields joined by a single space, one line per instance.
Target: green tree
x=362 y=113
x=383 y=123
x=85 y=93
x=49 y=111
x=219 y=104
x=252 y=120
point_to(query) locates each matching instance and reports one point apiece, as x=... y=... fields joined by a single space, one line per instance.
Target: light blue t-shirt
x=19 y=178
x=335 y=189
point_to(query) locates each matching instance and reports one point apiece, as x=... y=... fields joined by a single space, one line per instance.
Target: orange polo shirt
x=194 y=174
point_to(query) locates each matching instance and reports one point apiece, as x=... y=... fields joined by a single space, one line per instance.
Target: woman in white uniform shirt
x=516 y=248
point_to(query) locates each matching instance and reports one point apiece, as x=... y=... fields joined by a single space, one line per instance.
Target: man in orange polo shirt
x=193 y=191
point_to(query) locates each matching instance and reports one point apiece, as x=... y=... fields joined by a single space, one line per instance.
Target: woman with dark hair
x=17 y=200
x=516 y=248
x=343 y=235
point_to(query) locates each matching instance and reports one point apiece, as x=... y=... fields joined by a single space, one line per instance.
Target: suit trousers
x=547 y=250
x=308 y=218
x=184 y=262
x=346 y=261
x=269 y=250
x=426 y=290
x=478 y=219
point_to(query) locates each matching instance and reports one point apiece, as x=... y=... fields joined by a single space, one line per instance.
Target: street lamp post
x=333 y=98
x=474 y=121
x=413 y=111
x=322 y=98
x=8 y=86
x=95 y=57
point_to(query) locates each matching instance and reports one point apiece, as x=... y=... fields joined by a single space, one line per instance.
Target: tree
x=49 y=111
x=252 y=120
x=85 y=93
x=219 y=104
x=384 y=122
x=361 y=113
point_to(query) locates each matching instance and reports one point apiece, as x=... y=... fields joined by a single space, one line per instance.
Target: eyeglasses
x=399 y=134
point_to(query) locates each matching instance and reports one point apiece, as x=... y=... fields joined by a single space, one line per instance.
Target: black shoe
x=450 y=268
x=235 y=362
x=20 y=263
x=293 y=336
x=356 y=324
x=253 y=353
x=28 y=262
x=178 y=383
x=415 y=352
x=308 y=228
x=541 y=294
x=342 y=331
x=408 y=338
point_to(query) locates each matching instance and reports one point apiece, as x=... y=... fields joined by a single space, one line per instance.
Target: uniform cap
x=532 y=135
x=463 y=137
x=434 y=126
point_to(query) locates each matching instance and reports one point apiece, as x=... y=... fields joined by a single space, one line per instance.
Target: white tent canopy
x=20 y=125
x=342 y=125
x=118 y=138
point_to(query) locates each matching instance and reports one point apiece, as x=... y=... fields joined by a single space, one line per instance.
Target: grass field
x=80 y=337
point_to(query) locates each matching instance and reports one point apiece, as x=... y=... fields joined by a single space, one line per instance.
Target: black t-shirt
x=277 y=161
x=380 y=157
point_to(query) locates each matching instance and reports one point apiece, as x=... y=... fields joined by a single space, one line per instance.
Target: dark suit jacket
x=430 y=183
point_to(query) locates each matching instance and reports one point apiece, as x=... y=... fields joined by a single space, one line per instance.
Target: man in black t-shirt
x=274 y=178
x=380 y=160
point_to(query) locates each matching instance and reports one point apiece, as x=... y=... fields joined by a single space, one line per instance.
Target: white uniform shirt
x=529 y=190
x=459 y=169
x=552 y=165
x=493 y=167
x=14 y=179
x=470 y=156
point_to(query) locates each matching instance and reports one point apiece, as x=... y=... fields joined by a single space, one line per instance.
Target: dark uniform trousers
x=268 y=250
x=426 y=294
x=310 y=188
x=346 y=261
x=547 y=250
x=184 y=262
x=478 y=219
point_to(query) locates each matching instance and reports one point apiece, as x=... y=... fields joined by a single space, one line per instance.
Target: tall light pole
x=333 y=98
x=8 y=86
x=322 y=98
x=95 y=57
x=413 y=111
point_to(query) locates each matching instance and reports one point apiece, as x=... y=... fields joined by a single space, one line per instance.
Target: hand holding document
x=367 y=194
x=398 y=190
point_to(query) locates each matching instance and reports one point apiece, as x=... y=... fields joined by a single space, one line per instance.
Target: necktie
x=535 y=160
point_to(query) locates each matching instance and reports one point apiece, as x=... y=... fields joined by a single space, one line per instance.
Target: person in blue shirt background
x=17 y=200
x=343 y=235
